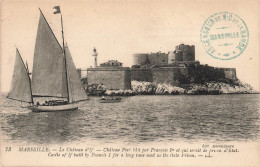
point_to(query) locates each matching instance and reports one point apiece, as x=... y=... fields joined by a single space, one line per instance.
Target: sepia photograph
x=130 y=83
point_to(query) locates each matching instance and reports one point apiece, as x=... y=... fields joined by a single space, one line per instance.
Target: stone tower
x=95 y=57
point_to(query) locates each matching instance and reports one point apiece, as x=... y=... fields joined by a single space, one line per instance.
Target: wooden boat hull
x=49 y=108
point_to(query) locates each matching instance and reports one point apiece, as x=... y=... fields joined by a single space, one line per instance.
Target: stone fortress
x=178 y=68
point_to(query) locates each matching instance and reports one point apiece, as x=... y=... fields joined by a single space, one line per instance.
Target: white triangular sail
x=21 y=86
x=76 y=90
x=48 y=76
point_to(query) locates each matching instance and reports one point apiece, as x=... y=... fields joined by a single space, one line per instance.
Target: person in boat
x=101 y=87
x=90 y=89
x=46 y=103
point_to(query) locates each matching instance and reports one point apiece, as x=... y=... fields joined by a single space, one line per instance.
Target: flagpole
x=64 y=57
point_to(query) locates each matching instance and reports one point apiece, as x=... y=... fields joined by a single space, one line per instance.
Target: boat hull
x=49 y=108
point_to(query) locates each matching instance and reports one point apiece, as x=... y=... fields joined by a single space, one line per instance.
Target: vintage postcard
x=130 y=83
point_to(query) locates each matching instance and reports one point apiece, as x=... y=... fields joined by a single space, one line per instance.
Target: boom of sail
x=21 y=84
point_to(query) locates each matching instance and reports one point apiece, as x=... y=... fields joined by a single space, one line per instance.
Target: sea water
x=137 y=119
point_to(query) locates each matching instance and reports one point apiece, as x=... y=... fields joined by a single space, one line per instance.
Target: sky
x=119 y=29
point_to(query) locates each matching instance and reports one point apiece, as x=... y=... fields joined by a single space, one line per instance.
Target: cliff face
x=207 y=88
x=150 y=88
x=221 y=88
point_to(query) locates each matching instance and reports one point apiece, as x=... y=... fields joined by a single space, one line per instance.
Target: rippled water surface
x=137 y=119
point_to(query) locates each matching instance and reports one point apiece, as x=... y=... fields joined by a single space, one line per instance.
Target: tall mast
x=30 y=82
x=64 y=58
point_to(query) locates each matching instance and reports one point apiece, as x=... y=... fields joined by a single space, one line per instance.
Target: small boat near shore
x=203 y=92
x=110 y=99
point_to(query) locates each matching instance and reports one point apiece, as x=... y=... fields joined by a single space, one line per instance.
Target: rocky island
x=173 y=73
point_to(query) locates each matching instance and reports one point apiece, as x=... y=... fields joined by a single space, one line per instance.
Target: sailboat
x=21 y=84
x=54 y=74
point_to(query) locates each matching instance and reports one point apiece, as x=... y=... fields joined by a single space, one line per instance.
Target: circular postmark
x=224 y=36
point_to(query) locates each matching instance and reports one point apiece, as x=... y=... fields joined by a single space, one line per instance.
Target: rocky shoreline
x=150 y=88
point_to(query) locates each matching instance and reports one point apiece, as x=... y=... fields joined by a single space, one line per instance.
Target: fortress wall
x=208 y=73
x=171 y=57
x=230 y=73
x=192 y=68
x=204 y=73
x=211 y=73
x=187 y=56
x=141 y=74
x=150 y=59
x=188 y=52
x=219 y=73
x=127 y=79
x=166 y=75
x=184 y=72
x=118 y=78
x=222 y=73
x=184 y=75
x=193 y=51
x=178 y=56
x=193 y=73
x=140 y=59
x=158 y=58
x=214 y=74
x=181 y=47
